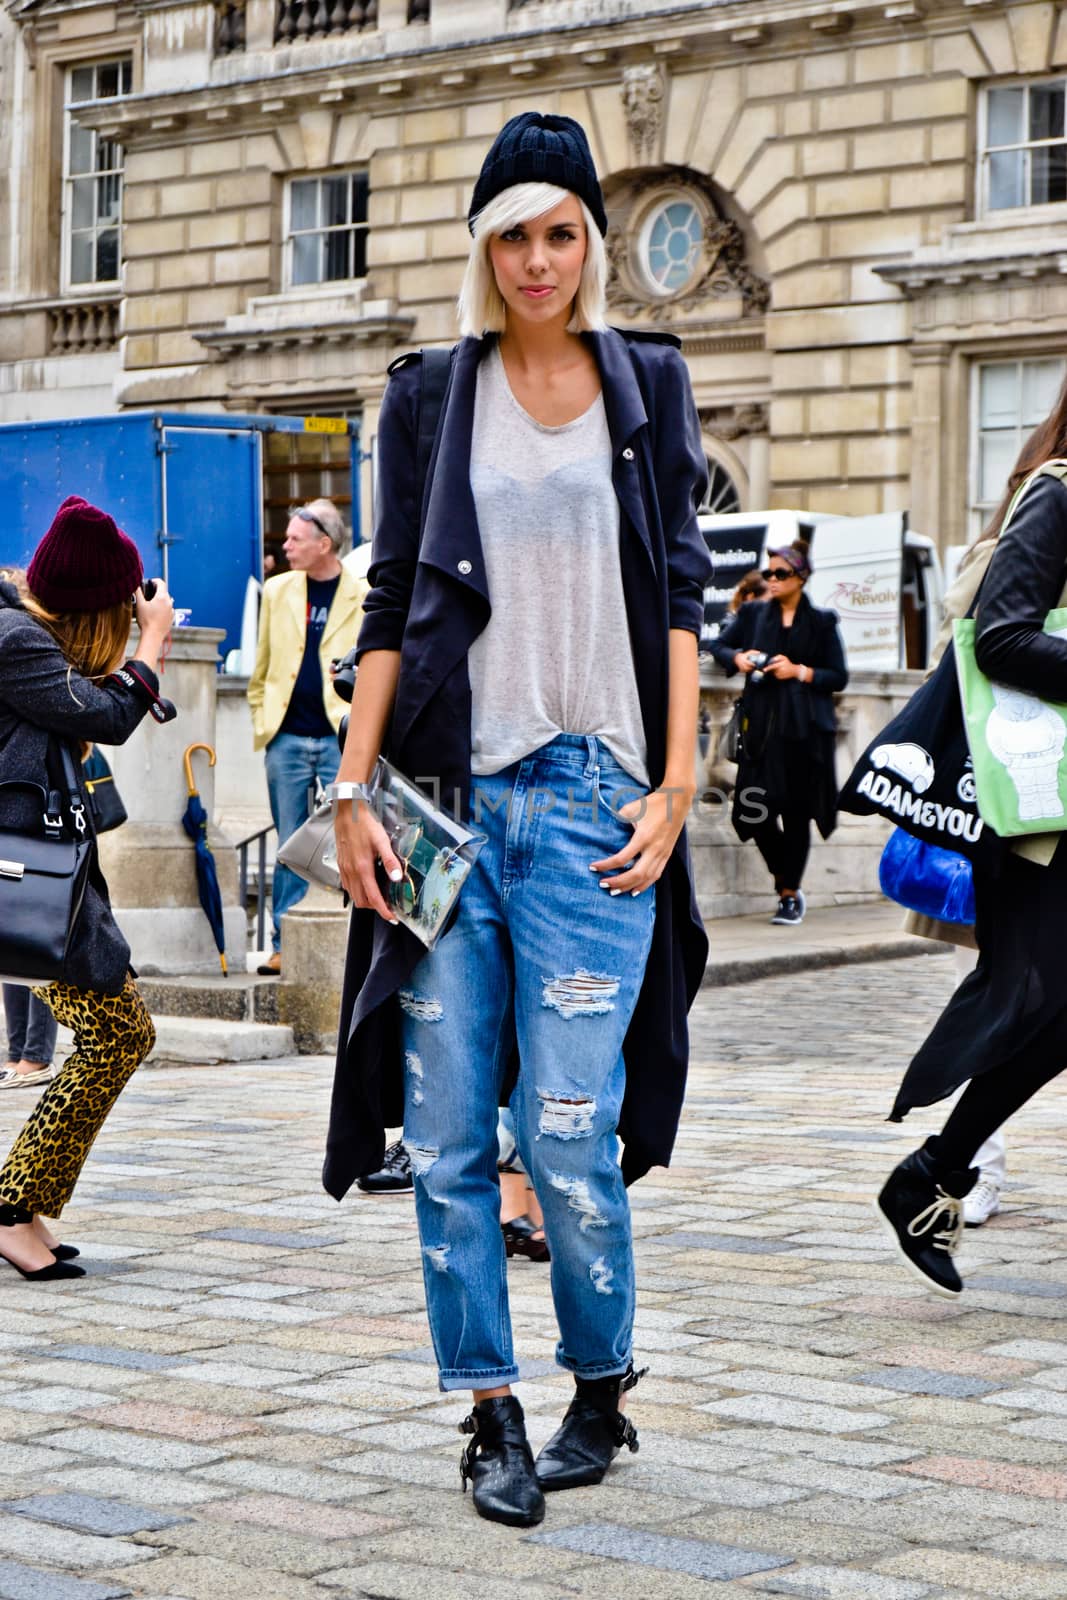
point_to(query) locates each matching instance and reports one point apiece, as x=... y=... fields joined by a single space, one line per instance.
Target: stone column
x=759 y=470
x=460 y=21
x=259 y=24
x=150 y=863
x=392 y=14
x=314 y=941
x=928 y=434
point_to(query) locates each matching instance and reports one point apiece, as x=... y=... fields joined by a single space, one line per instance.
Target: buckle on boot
x=466 y=1460
x=632 y=1379
x=625 y=1433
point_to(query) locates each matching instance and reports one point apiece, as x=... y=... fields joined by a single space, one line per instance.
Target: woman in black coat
x=64 y=627
x=794 y=662
x=531 y=637
x=1005 y=1027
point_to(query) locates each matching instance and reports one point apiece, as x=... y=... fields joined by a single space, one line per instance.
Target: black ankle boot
x=500 y=1464
x=920 y=1205
x=10 y=1216
x=592 y=1433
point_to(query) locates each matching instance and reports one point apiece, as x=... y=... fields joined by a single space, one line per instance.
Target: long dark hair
x=1048 y=442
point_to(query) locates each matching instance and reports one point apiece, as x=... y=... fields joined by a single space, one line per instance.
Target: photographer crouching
x=794 y=662
x=64 y=630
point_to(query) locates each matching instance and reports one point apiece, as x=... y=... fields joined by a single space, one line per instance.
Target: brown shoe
x=271 y=968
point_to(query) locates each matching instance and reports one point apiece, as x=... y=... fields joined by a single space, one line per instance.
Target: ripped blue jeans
x=541 y=956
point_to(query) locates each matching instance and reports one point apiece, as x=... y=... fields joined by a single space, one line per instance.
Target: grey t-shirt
x=555 y=657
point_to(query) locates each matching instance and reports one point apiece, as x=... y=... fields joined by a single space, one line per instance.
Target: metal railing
x=229 y=26
x=299 y=20
x=260 y=841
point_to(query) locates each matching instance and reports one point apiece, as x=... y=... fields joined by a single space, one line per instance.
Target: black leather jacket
x=1023 y=584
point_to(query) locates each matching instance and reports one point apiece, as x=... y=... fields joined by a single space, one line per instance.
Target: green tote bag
x=1017 y=740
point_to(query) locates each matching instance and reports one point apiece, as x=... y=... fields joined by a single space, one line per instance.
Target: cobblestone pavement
x=239 y=1401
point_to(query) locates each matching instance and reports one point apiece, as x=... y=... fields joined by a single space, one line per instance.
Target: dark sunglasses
x=778 y=573
x=309 y=516
x=405 y=894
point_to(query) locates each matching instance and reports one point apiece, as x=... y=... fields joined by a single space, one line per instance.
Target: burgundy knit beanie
x=84 y=562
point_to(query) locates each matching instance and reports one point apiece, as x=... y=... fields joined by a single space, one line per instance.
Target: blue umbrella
x=194 y=821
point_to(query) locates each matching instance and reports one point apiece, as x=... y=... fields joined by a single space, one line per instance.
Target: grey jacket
x=42 y=696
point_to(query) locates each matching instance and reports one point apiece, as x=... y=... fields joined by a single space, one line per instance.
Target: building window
x=327 y=229
x=722 y=494
x=1011 y=398
x=670 y=243
x=92 y=198
x=1025 y=156
x=670 y=248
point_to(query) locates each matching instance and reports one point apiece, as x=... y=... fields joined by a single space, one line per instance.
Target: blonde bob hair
x=481 y=305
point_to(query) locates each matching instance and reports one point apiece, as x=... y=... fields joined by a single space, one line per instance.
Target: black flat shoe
x=500 y=1464
x=520 y=1239
x=10 y=1216
x=66 y=1252
x=591 y=1435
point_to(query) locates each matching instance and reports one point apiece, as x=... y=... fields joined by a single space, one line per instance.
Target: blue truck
x=203 y=496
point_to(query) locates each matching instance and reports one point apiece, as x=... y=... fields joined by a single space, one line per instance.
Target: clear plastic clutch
x=436 y=853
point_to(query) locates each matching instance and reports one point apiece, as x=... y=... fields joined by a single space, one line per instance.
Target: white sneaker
x=982 y=1203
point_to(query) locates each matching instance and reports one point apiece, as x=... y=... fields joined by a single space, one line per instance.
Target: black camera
x=148 y=589
x=344 y=676
x=759 y=659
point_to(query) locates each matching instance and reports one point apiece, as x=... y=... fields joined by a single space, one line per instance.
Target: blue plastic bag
x=927 y=879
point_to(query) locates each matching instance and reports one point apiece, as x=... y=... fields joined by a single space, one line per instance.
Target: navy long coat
x=430 y=602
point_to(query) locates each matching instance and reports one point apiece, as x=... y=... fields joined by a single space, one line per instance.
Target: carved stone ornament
x=643 y=89
x=734 y=422
x=723 y=268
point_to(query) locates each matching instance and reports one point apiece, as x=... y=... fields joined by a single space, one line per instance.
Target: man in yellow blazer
x=309 y=616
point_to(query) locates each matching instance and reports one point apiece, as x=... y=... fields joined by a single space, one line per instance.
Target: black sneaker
x=922 y=1209
x=790 y=913
x=394 y=1175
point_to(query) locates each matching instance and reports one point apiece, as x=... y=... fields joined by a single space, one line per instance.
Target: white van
x=884 y=582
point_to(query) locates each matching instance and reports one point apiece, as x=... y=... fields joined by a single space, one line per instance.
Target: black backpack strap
x=436 y=371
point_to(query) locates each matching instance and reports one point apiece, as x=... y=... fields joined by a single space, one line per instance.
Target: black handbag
x=105 y=803
x=917 y=773
x=43 y=877
x=729 y=748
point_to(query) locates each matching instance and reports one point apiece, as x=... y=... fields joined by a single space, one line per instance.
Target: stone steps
x=207 y=1041
x=242 y=997
x=189 y=1041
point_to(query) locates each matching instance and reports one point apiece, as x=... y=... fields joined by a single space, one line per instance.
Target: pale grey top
x=555 y=656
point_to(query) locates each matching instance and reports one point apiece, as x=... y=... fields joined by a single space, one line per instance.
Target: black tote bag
x=43 y=877
x=917 y=774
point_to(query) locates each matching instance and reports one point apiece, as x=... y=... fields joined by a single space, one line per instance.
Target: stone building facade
x=853 y=213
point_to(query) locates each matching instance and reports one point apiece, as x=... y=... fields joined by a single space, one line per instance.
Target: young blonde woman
x=64 y=629
x=530 y=645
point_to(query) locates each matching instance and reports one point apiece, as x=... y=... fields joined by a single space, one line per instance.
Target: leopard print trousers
x=112 y=1035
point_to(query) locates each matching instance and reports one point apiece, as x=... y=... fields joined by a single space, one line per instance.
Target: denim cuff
x=605 y=1369
x=457 y=1378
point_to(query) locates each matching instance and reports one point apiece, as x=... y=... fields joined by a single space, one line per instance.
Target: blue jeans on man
x=294 y=763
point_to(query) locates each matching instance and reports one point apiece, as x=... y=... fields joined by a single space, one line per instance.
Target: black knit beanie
x=537 y=147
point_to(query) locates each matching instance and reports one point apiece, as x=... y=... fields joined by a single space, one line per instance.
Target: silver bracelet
x=350 y=791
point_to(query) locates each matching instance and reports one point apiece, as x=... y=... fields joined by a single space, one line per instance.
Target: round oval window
x=673 y=236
